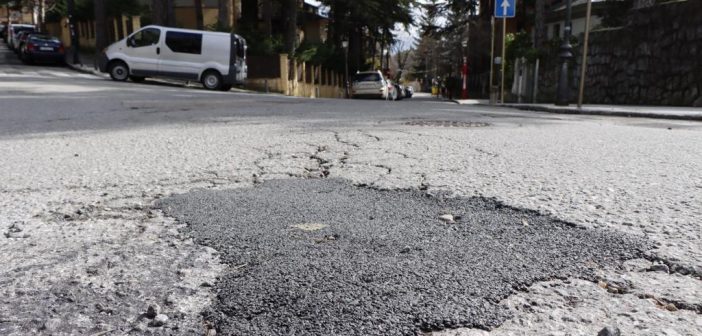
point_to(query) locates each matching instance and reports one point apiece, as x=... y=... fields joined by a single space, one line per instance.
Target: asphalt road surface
x=39 y=99
x=267 y=204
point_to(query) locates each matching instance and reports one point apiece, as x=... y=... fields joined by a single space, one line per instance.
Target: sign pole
x=492 y=57
x=583 y=66
x=502 y=61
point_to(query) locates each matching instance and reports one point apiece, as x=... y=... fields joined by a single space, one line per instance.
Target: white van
x=217 y=60
x=15 y=29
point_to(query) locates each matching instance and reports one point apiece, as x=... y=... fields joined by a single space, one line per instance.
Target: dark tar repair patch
x=323 y=257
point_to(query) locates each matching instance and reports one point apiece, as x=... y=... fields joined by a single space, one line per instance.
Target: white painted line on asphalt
x=51 y=97
x=468 y=110
x=57 y=74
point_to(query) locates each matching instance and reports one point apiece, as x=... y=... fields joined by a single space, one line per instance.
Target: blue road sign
x=505 y=8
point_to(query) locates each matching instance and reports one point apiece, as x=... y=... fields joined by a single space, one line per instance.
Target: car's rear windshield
x=43 y=38
x=367 y=77
x=21 y=29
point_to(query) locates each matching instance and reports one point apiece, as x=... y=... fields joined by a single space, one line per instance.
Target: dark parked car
x=43 y=48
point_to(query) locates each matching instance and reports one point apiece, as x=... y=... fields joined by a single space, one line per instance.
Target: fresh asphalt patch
x=324 y=257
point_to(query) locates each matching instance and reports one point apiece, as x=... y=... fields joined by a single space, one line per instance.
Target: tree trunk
x=199 y=20
x=100 y=26
x=291 y=27
x=268 y=18
x=120 y=27
x=249 y=14
x=170 y=13
x=40 y=16
x=159 y=14
x=225 y=14
x=539 y=24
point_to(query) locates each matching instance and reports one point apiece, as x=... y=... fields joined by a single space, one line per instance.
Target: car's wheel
x=137 y=79
x=225 y=87
x=24 y=57
x=212 y=80
x=119 y=71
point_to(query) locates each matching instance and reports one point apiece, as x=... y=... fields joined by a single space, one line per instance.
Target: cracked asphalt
x=83 y=251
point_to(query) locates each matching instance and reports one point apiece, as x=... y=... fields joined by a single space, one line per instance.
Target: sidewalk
x=655 y=112
x=88 y=64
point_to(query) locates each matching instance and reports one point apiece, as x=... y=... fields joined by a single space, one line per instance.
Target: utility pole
x=583 y=66
x=70 y=4
x=345 y=45
x=502 y=60
x=566 y=55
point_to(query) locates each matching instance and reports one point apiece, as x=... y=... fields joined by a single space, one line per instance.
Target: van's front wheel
x=119 y=71
x=212 y=80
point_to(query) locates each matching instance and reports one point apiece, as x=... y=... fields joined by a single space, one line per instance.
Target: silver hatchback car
x=372 y=84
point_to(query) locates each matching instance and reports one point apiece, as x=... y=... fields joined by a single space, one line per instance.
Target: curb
x=625 y=114
x=629 y=114
x=84 y=70
x=94 y=72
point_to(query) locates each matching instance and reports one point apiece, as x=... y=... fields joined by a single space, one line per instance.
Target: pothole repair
x=385 y=263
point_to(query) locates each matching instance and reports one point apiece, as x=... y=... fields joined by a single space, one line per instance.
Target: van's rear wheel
x=212 y=80
x=119 y=71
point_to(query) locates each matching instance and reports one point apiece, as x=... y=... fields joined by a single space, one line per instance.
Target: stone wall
x=656 y=59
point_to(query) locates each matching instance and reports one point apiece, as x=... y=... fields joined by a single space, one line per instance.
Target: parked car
x=409 y=91
x=400 y=89
x=12 y=31
x=42 y=48
x=372 y=84
x=217 y=60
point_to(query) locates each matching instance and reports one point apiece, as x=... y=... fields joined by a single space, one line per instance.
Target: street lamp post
x=70 y=4
x=464 y=71
x=566 y=55
x=345 y=45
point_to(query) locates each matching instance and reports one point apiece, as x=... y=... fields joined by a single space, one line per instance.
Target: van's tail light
x=30 y=46
x=61 y=50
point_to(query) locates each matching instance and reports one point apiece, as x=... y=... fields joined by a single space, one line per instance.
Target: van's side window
x=146 y=37
x=187 y=43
